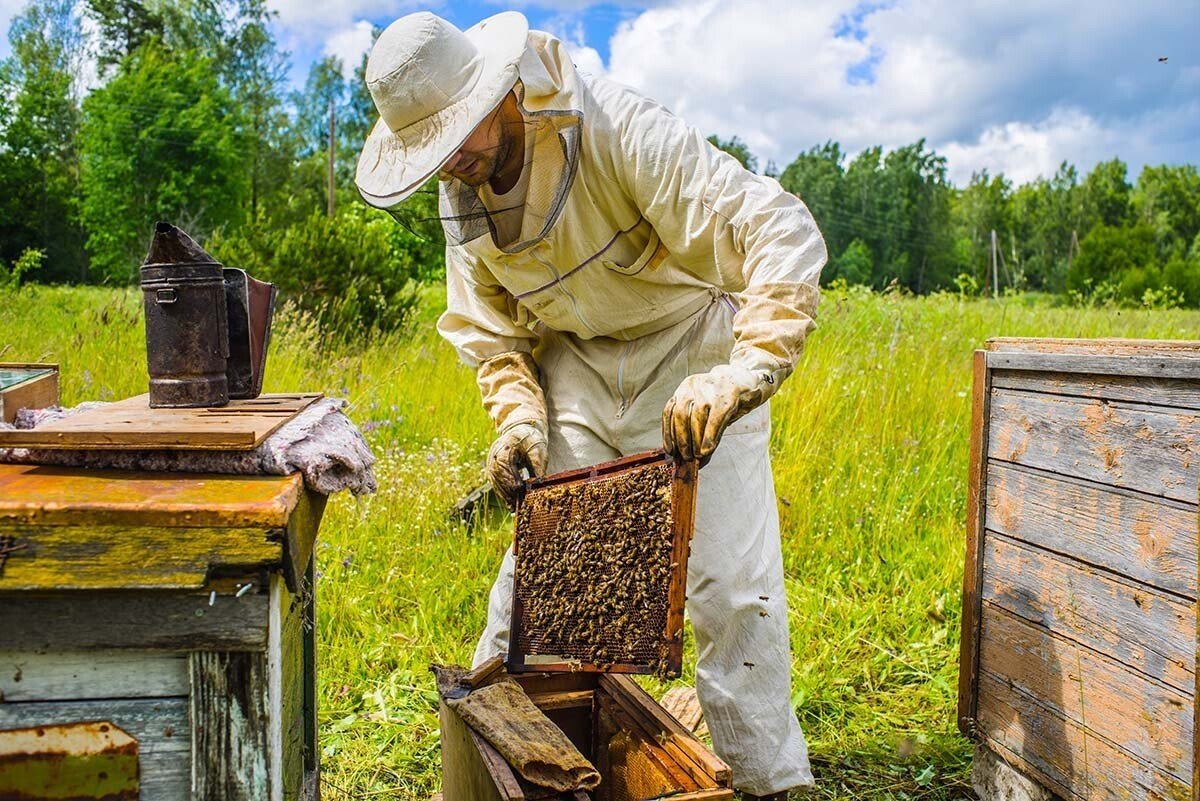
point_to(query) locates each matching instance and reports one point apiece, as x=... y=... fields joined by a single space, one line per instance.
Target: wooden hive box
x=1079 y=630
x=177 y=607
x=639 y=749
x=26 y=386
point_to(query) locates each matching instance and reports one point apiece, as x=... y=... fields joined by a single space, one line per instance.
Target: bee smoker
x=207 y=326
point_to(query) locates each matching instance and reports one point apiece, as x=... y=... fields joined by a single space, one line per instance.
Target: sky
x=1015 y=86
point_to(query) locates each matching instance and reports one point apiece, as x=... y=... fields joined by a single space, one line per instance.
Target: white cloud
x=323 y=15
x=1018 y=86
x=349 y=44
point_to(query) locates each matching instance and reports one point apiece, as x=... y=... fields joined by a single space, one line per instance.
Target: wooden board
x=1150 y=449
x=43 y=495
x=132 y=425
x=142 y=621
x=1149 y=631
x=1146 y=719
x=229 y=726
x=1147 y=539
x=80 y=675
x=26 y=386
x=159 y=725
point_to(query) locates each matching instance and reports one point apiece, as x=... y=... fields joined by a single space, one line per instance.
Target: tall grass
x=870 y=446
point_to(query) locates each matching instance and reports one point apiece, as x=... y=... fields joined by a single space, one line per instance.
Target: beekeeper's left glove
x=706 y=403
x=769 y=332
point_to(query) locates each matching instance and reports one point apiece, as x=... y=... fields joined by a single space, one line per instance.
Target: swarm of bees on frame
x=593 y=569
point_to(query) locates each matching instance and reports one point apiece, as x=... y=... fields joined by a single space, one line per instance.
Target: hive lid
x=601 y=568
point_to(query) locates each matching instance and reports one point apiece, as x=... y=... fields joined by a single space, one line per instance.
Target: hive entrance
x=601 y=564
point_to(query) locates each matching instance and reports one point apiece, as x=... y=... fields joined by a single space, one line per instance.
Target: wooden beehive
x=1079 y=630
x=640 y=751
x=573 y=528
x=26 y=386
x=177 y=607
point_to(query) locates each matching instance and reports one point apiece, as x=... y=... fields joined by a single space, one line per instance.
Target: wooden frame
x=35 y=392
x=683 y=506
x=1119 y=412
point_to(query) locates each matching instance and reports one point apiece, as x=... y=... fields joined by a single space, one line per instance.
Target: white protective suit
x=666 y=259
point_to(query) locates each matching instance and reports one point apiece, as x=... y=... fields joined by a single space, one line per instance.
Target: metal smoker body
x=207 y=326
x=187 y=331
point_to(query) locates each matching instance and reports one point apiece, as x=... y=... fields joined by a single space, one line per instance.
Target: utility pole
x=995 y=267
x=332 y=150
x=1073 y=248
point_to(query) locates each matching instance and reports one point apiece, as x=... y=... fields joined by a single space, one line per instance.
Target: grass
x=870 y=449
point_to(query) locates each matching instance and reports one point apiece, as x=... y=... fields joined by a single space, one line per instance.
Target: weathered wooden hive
x=172 y=610
x=1079 y=638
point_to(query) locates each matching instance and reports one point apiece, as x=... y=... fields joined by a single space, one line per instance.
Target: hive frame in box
x=683 y=518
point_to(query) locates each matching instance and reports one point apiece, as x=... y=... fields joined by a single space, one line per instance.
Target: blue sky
x=1013 y=86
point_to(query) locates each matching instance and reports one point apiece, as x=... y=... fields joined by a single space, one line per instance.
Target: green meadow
x=870 y=445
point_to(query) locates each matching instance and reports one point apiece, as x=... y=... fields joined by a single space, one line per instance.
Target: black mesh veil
x=523 y=216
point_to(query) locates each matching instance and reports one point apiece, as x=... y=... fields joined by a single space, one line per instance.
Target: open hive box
x=601 y=568
x=639 y=749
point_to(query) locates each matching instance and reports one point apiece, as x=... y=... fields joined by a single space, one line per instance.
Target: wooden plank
x=1063 y=756
x=38 y=391
x=1145 y=448
x=1146 y=539
x=636 y=760
x=301 y=536
x=562 y=700
x=159 y=725
x=77 y=675
x=968 y=654
x=1177 y=393
x=144 y=621
x=229 y=726
x=288 y=687
x=466 y=776
x=42 y=495
x=666 y=729
x=1101 y=346
x=1165 y=366
x=56 y=558
x=1146 y=719
x=1151 y=632
x=131 y=424
x=93 y=761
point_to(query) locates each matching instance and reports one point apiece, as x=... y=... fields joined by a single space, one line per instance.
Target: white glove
x=522 y=445
x=706 y=403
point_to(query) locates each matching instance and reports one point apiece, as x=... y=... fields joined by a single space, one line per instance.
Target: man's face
x=482 y=155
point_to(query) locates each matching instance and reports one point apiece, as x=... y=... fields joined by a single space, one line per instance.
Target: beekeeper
x=619 y=285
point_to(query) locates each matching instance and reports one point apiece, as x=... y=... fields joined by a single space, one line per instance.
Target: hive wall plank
x=968 y=664
x=229 y=726
x=89 y=621
x=55 y=558
x=1178 y=393
x=159 y=725
x=1147 y=539
x=1145 y=448
x=76 y=675
x=1065 y=757
x=1145 y=719
x=1151 y=632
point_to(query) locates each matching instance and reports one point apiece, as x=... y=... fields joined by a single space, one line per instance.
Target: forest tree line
x=182 y=111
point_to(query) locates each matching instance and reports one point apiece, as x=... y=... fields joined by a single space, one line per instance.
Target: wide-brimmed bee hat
x=432 y=84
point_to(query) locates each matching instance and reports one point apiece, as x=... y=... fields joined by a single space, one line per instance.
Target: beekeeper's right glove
x=514 y=400
x=521 y=446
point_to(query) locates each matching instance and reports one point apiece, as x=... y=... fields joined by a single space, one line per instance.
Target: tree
x=1121 y=256
x=1167 y=198
x=159 y=141
x=817 y=177
x=1106 y=194
x=736 y=148
x=981 y=208
x=855 y=265
x=39 y=138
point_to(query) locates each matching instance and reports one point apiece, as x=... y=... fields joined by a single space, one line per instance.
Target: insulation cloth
x=320 y=442
x=503 y=714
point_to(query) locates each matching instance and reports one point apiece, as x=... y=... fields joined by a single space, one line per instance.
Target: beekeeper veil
x=524 y=215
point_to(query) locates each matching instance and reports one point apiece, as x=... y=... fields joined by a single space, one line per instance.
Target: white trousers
x=605 y=400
